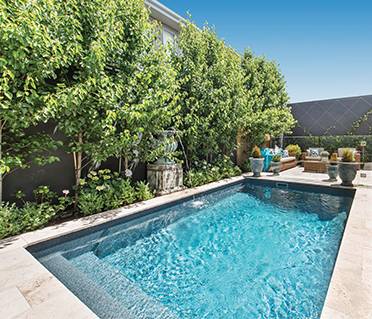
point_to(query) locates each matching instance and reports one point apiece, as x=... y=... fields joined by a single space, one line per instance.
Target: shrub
x=207 y=173
x=332 y=143
x=277 y=158
x=143 y=191
x=246 y=167
x=256 y=152
x=294 y=150
x=31 y=215
x=91 y=202
x=104 y=190
x=9 y=217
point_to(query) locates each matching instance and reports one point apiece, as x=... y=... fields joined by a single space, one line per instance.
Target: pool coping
x=29 y=290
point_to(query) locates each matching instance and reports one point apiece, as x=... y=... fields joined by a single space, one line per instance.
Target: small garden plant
x=104 y=190
x=276 y=158
x=31 y=215
x=101 y=190
x=205 y=172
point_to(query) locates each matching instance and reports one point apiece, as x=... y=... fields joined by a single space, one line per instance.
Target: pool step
x=96 y=298
x=139 y=304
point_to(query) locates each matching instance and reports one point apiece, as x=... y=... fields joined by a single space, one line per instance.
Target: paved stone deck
x=28 y=290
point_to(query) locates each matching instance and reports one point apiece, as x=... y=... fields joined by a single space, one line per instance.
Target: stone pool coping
x=29 y=290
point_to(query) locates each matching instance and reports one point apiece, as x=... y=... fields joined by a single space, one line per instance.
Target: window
x=168 y=36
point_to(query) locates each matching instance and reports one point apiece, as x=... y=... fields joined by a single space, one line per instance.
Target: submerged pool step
x=96 y=298
x=139 y=304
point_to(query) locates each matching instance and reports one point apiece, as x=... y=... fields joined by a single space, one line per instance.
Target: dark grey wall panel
x=58 y=176
x=332 y=117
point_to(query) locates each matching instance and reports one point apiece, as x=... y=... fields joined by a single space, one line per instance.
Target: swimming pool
x=250 y=250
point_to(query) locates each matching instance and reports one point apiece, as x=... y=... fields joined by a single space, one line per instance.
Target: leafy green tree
x=266 y=109
x=211 y=92
x=118 y=86
x=265 y=85
x=32 y=52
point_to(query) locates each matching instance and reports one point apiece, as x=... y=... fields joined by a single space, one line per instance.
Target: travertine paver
x=12 y=303
x=28 y=290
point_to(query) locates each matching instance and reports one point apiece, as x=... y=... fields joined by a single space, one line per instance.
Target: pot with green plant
x=275 y=164
x=347 y=168
x=332 y=168
x=294 y=150
x=256 y=161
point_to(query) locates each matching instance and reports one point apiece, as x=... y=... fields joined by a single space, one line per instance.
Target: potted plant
x=294 y=150
x=275 y=164
x=347 y=168
x=256 y=161
x=332 y=169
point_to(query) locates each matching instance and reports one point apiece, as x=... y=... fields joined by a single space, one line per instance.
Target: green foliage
x=118 y=88
x=246 y=167
x=97 y=70
x=276 y=158
x=265 y=107
x=256 y=152
x=333 y=143
x=348 y=155
x=294 y=150
x=264 y=84
x=91 y=202
x=205 y=172
x=211 y=93
x=104 y=190
x=31 y=215
x=36 y=42
x=143 y=191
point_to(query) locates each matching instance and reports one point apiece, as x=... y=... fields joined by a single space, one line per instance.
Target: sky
x=323 y=47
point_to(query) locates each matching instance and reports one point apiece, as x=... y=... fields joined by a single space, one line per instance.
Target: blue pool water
x=247 y=251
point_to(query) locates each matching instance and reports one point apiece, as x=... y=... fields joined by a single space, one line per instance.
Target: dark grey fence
x=333 y=117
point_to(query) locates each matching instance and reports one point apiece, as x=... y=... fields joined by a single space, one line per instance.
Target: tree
x=117 y=86
x=211 y=92
x=31 y=53
x=266 y=109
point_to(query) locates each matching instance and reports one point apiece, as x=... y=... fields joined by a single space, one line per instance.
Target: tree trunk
x=77 y=165
x=120 y=160
x=1 y=175
x=125 y=163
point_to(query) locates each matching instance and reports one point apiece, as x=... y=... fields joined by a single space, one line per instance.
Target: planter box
x=165 y=179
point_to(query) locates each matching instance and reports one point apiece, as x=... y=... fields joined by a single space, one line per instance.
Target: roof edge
x=164 y=14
